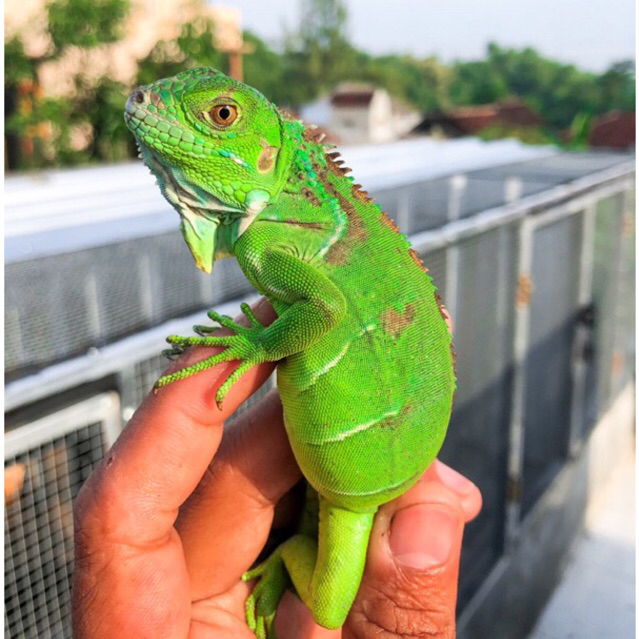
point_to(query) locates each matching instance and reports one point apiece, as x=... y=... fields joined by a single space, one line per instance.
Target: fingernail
x=422 y=536
x=454 y=480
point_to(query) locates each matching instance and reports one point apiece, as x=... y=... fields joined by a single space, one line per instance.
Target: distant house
x=614 y=130
x=361 y=113
x=471 y=120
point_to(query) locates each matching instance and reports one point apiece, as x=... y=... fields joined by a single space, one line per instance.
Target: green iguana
x=365 y=368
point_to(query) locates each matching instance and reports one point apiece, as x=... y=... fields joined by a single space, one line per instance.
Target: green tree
x=556 y=91
x=70 y=23
x=263 y=70
x=318 y=54
x=477 y=82
x=618 y=87
x=194 y=46
x=85 y=24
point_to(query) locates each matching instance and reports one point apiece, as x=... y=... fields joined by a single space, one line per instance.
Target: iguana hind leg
x=326 y=575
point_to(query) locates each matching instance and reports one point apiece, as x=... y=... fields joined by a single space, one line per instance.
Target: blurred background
x=70 y=63
x=499 y=137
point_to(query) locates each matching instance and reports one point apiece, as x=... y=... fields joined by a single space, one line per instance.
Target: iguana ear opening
x=199 y=234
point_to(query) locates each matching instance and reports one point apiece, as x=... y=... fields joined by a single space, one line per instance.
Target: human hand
x=163 y=533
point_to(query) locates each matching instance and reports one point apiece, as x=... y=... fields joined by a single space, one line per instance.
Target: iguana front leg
x=311 y=304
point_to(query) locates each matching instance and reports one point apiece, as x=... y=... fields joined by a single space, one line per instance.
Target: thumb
x=409 y=586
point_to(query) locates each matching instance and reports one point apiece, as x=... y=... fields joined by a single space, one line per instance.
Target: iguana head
x=215 y=147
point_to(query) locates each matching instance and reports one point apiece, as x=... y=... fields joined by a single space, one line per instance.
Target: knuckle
x=402 y=611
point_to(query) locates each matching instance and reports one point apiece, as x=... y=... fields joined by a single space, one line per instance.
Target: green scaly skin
x=366 y=373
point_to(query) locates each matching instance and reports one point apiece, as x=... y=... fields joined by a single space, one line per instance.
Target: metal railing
x=54 y=456
x=540 y=291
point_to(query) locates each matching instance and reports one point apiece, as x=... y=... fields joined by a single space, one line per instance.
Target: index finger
x=160 y=457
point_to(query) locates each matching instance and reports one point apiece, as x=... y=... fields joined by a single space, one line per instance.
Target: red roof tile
x=613 y=131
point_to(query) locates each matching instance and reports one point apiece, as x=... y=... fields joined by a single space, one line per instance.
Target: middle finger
x=225 y=523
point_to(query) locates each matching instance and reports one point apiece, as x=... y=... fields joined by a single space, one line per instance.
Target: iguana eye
x=223 y=114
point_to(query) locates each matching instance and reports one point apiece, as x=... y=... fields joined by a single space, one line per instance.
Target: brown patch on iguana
x=356 y=232
x=310 y=196
x=339 y=253
x=394 y=323
x=356 y=228
x=397 y=421
x=454 y=358
x=311 y=135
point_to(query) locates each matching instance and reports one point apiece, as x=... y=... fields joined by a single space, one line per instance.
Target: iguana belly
x=363 y=432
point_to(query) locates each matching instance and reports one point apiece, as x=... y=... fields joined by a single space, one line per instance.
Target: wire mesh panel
x=553 y=311
x=428 y=204
x=34 y=299
x=146 y=373
x=435 y=262
x=623 y=363
x=93 y=297
x=416 y=207
x=180 y=282
x=477 y=442
x=46 y=463
x=605 y=284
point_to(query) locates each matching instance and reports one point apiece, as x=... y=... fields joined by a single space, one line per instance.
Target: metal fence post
x=93 y=305
x=148 y=289
x=126 y=389
x=584 y=297
x=521 y=338
x=618 y=269
x=403 y=211
x=513 y=188
x=456 y=187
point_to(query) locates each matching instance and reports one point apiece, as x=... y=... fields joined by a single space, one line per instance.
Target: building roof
x=352 y=94
x=472 y=119
x=352 y=99
x=614 y=130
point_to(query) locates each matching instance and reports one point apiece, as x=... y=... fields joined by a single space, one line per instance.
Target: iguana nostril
x=139 y=97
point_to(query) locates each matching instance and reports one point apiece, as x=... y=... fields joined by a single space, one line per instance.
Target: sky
x=591 y=34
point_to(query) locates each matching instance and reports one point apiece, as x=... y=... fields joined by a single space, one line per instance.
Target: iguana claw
x=172 y=353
